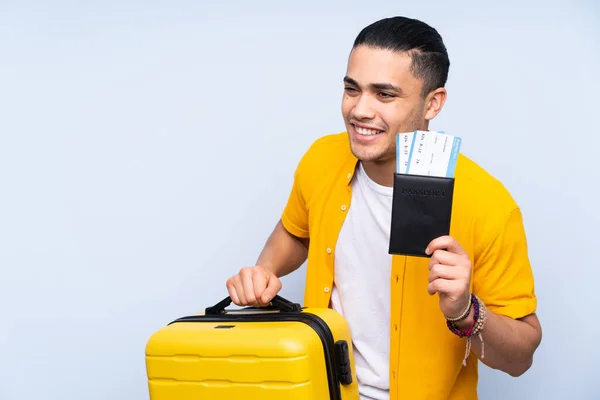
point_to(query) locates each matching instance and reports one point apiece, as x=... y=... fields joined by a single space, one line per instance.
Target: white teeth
x=366 y=132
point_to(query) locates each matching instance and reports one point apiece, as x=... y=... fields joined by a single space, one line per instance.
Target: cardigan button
x=326 y=290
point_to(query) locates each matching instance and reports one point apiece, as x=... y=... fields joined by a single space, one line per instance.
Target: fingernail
x=427 y=250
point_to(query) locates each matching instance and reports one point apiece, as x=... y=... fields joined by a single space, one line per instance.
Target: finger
x=232 y=292
x=446 y=258
x=273 y=287
x=444 y=287
x=259 y=280
x=239 y=290
x=441 y=257
x=440 y=271
x=246 y=275
x=445 y=243
x=438 y=286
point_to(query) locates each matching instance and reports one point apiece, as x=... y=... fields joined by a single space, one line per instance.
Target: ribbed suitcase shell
x=249 y=354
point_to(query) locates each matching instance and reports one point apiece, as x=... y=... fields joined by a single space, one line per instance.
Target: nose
x=364 y=108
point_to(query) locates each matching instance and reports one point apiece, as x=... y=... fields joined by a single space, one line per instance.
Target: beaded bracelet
x=479 y=319
x=465 y=313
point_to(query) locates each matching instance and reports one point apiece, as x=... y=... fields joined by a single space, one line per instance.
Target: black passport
x=421 y=212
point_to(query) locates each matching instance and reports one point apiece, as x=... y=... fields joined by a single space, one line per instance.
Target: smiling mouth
x=366 y=132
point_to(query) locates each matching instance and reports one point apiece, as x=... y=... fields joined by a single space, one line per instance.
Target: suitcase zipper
x=334 y=377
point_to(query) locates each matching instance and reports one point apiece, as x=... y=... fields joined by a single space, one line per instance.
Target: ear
x=434 y=103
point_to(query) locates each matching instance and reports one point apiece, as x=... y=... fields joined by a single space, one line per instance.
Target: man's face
x=381 y=99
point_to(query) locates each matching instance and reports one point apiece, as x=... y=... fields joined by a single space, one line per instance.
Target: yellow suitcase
x=280 y=352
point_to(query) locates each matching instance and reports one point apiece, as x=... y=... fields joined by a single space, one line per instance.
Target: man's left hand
x=449 y=275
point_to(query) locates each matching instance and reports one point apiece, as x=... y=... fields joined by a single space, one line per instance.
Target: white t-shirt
x=361 y=291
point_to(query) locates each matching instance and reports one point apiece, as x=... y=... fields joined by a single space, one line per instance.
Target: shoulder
x=322 y=165
x=326 y=155
x=329 y=149
x=484 y=201
x=478 y=188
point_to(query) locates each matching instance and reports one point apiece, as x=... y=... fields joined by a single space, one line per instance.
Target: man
x=412 y=319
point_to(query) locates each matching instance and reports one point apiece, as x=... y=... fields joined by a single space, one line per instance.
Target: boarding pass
x=432 y=153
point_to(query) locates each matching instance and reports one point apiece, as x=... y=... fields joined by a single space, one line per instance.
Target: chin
x=367 y=153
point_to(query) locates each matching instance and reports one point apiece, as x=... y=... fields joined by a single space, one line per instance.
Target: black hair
x=423 y=43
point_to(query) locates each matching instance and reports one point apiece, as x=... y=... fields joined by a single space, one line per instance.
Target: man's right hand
x=253 y=286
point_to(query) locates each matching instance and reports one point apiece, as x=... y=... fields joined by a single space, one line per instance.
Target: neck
x=381 y=172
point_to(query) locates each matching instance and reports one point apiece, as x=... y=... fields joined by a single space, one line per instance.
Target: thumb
x=273 y=287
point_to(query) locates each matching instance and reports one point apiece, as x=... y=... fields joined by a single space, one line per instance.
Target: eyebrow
x=376 y=86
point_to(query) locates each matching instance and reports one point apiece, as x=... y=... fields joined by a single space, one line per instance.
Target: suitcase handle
x=278 y=303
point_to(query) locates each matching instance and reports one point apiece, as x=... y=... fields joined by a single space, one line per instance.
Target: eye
x=349 y=89
x=386 y=95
